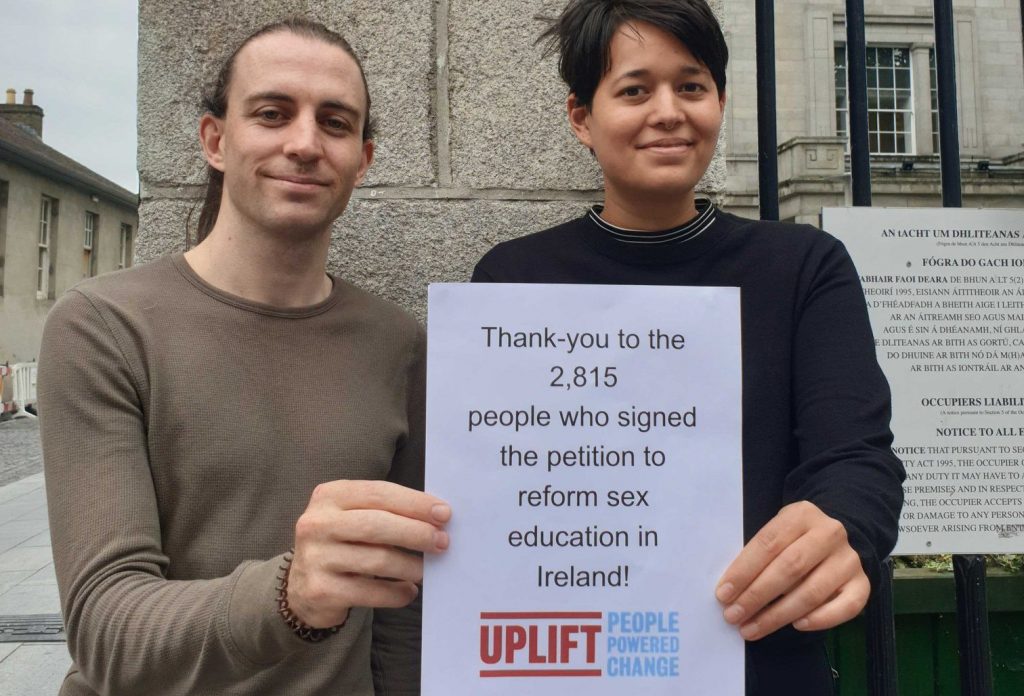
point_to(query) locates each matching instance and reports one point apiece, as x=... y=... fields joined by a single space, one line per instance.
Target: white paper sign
x=588 y=439
x=945 y=291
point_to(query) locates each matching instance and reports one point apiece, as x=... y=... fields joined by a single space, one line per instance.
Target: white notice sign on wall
x=945 y=291
x=588 y=440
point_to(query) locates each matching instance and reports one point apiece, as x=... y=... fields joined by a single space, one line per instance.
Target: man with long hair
x=232 y=437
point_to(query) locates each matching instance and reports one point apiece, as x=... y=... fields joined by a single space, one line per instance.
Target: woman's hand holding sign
x=798 y=569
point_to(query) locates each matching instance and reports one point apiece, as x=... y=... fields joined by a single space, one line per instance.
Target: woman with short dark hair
x=822 y=488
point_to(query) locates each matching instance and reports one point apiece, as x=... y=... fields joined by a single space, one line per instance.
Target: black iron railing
x=973 y=634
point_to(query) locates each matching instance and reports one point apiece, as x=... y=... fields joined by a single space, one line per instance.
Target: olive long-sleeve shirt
x=184 y=430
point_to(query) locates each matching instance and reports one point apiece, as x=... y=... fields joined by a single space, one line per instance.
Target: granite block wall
x=472 y=147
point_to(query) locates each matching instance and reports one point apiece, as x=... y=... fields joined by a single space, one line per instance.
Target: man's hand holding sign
x=349 y=548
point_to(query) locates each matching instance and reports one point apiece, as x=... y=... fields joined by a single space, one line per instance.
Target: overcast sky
x=80 y=58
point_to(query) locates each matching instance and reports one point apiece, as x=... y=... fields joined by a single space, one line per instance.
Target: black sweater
x=815 y=403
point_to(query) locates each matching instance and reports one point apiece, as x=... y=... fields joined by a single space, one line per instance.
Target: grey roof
x=22 y=147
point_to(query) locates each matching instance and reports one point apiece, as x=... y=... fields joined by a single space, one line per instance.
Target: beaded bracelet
x=299 y=628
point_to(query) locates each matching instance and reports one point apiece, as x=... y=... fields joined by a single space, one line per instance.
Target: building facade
x=902 y=102
x=60 y=222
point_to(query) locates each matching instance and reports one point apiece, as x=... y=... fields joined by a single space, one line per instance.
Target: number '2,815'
x=581 y=377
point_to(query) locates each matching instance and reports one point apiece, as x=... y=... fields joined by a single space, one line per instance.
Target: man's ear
x=368 y=150
x=579 y=121
x=211 y=132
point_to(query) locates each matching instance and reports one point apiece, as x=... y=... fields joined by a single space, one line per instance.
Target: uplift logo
x=539 y=644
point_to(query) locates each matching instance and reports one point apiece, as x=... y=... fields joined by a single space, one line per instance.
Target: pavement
x=20 y=453
x=33 y=656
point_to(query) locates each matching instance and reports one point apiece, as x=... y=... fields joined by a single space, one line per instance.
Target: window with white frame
x=125 y=257
x=47 y=211
x=89 y=245
x=890 y=99
x=842 y=105
x=933 y=79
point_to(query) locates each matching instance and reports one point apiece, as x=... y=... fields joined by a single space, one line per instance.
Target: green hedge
x=1009 y=563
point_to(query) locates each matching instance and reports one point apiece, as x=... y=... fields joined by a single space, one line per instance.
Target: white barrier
x=24 y=375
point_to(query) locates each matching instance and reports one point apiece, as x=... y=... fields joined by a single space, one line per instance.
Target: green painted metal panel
x=848 y=654
x=1007 y=632
x=926 y=637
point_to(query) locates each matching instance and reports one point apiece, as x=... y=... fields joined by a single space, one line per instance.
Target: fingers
x=770 y=541
x=329 y=524
x=374 y=512
x=380 y=592
x=349 y=548
x=321 y=600
x=382 y=495
x=849 y=602
x=833 y=592
x=798 y=568
x=782 y=574
x=385 y=562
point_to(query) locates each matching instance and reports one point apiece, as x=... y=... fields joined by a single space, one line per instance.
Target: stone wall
x=472 y=148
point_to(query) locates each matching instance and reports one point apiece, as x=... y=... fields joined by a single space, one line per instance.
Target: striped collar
x=677 y=235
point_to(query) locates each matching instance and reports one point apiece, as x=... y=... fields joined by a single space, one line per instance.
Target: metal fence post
x=880 y=627
x=767 y=135
x=969 y=571
x=879 y=619
x=857 y=98
x=945 y=75
x=972 y=626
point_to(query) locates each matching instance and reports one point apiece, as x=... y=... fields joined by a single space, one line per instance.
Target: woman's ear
x=579 y=121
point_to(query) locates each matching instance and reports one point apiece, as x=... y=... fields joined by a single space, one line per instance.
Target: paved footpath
x=20 y=453
x=27 y=582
